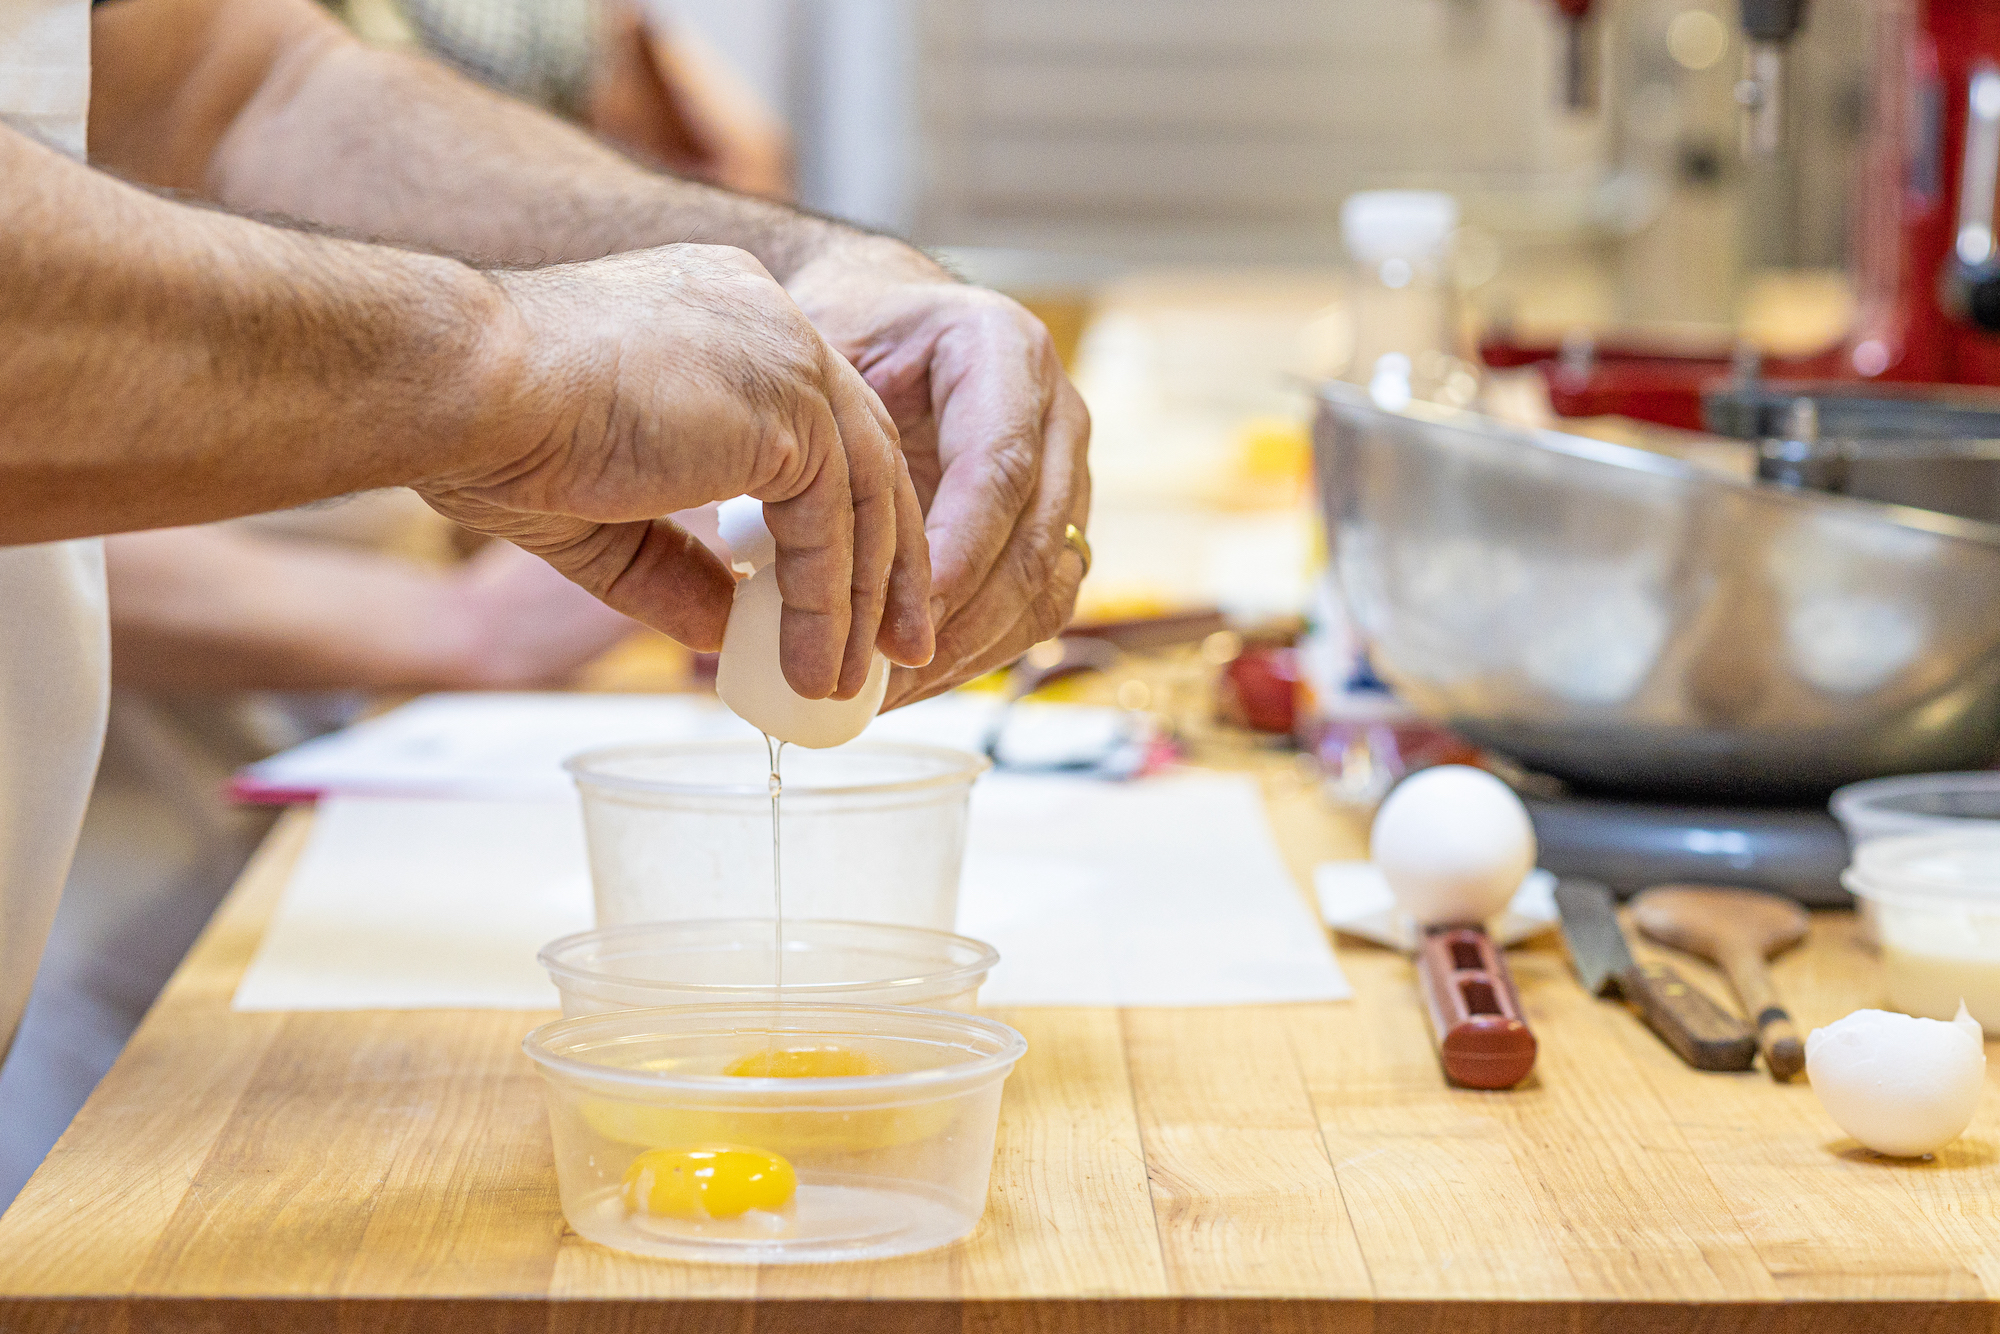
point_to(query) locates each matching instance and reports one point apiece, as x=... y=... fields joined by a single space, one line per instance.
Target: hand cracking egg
x=1902 y=1086
x=1454 y=843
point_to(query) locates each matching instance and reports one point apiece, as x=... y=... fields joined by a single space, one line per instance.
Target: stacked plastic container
x=1926 y=869
x=698 y=1112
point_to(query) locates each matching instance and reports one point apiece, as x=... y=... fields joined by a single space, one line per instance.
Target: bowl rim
x=962 y=769
x=984 y=957
x=1342 y=397
x=717 y=1018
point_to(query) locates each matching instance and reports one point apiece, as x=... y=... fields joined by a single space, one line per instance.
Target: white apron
x=55 y=654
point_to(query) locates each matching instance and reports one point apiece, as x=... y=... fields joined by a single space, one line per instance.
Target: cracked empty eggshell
x=748 y=675
x=1902 y=1086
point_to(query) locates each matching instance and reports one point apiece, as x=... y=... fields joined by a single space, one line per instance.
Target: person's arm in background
x=217 y=608
x=265 y=105
x=665 y=96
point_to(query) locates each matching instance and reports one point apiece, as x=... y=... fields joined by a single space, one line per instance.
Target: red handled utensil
x=1482 y=1040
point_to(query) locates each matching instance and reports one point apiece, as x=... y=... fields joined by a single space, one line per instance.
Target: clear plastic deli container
x=873 y=831
x=1918 y=804
x=884 y=1151
x=1934 y=900
x=732 y=961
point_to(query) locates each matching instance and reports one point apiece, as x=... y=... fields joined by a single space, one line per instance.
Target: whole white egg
x=1454 y=843
x=1902 y=1086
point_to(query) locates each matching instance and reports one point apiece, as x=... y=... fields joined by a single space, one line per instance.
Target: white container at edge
x=1935 y=903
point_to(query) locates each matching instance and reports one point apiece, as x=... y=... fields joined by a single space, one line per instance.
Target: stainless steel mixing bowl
x=1632 y=623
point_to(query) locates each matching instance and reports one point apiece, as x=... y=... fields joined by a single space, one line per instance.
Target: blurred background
x=1163 y=183
x=1555 y=212
x=1585 y=213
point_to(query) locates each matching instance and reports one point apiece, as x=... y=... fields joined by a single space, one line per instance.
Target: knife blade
x=1701 y=1032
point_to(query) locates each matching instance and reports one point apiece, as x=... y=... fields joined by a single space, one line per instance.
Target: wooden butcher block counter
x=1287 y=1169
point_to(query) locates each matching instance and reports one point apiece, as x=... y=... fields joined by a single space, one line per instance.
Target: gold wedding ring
x=1073 y=539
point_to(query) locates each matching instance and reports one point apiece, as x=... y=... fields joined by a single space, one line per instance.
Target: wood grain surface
x=1287 y=1168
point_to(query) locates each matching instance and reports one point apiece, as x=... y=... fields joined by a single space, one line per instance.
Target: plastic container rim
x=965 y=767
x=978 y=968
x=1865 y=875
x=716 y=1019
x=1868 y=791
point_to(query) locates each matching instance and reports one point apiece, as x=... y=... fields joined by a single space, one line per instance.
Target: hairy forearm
x=272 y=108
x=163 y=364
x=469 y=172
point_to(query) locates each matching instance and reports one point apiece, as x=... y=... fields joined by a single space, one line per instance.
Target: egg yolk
x=806 y=1063
x=708 y=1181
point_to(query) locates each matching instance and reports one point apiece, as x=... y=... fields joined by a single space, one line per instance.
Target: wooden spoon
x=1736 y=930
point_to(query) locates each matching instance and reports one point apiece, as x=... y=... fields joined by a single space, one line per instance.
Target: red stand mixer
x=1926 y=262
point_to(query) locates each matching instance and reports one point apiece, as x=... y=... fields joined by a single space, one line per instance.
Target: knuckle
x=781 y=460
x=1036 y=566
x=1015 y=467
x=1078 y=412
x=1003 y=316
x=1041 y=343
x=729 y=257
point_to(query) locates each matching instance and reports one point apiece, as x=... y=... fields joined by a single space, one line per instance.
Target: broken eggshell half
x=1904 y=1087
x=749 y=676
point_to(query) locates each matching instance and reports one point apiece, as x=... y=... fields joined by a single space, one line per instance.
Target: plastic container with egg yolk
x=887 y=1164
x=731 y=961
x=1933 y=902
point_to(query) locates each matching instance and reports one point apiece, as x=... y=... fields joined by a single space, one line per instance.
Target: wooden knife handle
x=1707 y=1036
x=1784 y=1053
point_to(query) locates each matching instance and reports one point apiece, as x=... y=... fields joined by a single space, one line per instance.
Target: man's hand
x=995 y=437
x=655 y=381
x=645 y=405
